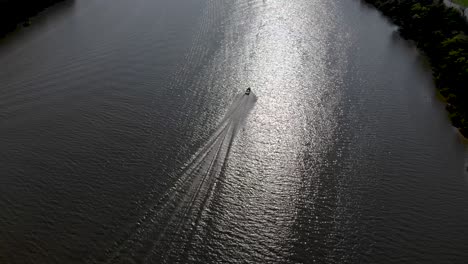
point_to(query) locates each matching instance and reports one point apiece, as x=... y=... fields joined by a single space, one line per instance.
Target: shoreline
x=441 y=34
x=17 y=14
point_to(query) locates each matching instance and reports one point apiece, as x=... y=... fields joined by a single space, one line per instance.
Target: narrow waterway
x=126 y=137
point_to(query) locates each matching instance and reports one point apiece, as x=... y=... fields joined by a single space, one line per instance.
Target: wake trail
x=172 y=220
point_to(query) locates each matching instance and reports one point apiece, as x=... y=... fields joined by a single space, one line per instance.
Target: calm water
x=125 y=137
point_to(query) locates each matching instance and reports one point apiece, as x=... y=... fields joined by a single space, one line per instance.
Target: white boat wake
x=177 y=216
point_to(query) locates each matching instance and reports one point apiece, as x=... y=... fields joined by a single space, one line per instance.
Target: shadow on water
x=43 y=19
x=167 y=229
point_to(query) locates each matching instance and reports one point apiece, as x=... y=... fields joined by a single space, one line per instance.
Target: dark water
x=125 y=137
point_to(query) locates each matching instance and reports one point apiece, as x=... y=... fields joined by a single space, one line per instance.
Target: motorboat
x=247 y=92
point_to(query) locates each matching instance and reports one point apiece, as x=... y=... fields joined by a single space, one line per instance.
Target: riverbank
x=441 y=33
x=15 y=12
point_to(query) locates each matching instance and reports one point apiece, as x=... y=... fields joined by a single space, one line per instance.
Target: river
x=125 y=137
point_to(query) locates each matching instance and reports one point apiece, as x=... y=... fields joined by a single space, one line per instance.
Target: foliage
x=461 y=2
x=442 y=34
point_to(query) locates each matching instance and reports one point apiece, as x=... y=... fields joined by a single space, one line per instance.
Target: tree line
x=441 y=33
x=14 y=12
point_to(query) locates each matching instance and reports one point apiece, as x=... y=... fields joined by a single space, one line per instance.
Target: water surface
x=126 y=137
